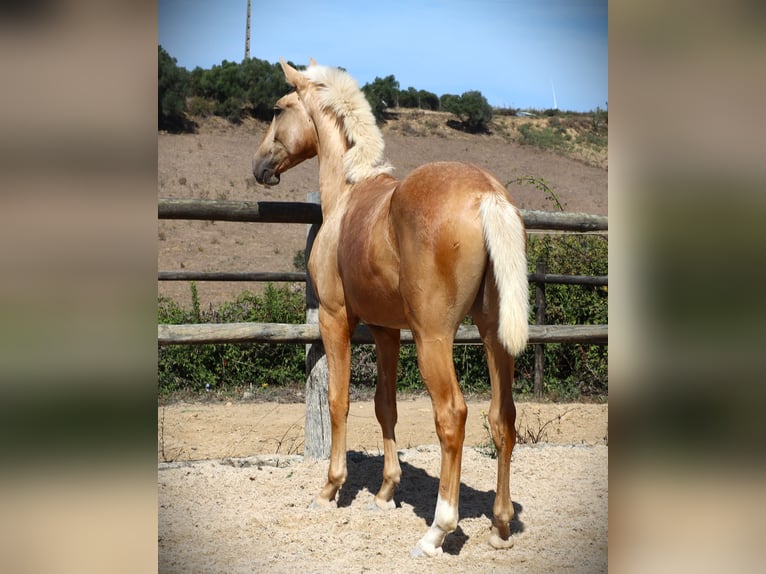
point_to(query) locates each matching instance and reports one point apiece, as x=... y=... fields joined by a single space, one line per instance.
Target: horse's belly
x=375 y=300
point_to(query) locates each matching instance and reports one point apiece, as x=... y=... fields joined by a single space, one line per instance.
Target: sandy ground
x=235 y=496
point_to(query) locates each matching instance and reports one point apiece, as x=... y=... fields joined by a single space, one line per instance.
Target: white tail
x=505 y=237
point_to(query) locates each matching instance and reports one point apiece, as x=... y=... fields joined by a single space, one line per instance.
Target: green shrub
x=545 y=137
x=193 y=367
x=471 y=108
x=172 y=87
x=198 y=106
x=572 y=369
x=381 y=93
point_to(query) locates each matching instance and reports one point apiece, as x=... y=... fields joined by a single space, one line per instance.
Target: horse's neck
x=332 y=183
x=332 y=173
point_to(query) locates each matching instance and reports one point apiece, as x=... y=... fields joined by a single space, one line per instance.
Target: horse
x=421 y=254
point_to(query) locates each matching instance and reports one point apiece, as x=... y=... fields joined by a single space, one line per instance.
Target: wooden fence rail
x=278 y=276
x=300 y=277
x=205 y=333
x=306 y=212
x=248 y=211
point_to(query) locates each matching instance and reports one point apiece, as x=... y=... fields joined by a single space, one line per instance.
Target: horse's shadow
x=419 y=490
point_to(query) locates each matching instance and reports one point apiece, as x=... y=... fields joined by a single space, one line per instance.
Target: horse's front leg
x=336 y=332
x=387 y=346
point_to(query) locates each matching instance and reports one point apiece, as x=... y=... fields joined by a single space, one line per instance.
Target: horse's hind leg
x=502 y=411
x=387 y=351
x=450 y=411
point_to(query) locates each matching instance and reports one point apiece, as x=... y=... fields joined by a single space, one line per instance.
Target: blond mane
x=339 y=93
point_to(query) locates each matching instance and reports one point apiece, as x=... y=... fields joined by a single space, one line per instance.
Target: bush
x=172 y=87
x=252 y=86
x=193 y=367
x=421 y=99
x=571 y=370
x=472 y=109
x=546 y=137
x=198 y=106
x=382 y=93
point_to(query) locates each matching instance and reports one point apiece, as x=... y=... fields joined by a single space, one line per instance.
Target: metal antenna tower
x=247 y=33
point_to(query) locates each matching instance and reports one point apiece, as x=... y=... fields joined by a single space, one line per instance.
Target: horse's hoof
x=323 y=504
x=497 y=542
x=425 y=550
x=380 y=504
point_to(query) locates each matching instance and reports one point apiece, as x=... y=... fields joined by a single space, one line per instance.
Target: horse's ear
x=312 y=62
x=293 y=76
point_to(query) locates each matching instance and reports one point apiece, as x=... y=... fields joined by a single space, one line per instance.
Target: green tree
x=409 y=98
x=421 y=99
x=428 y=100
x=172 y=87
x=448 y=102
x=382 y=93
x=471 y=108
x=236 y=89
x=265 y=84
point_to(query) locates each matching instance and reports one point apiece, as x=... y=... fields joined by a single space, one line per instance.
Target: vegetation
x=420 y=99
x=235 y=90
x=206 y=367
x=250 y=88
x=172 y=87
x=572 y=371
x=382 y=93
x=471 y=108
x=563 y=129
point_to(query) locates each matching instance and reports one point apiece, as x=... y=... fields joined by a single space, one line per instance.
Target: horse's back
x=451 y=177
x=442 y=198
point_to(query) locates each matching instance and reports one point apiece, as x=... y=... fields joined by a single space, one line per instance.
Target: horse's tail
x=506 y=240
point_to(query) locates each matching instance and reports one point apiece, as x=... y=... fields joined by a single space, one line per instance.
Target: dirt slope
x=216 y=164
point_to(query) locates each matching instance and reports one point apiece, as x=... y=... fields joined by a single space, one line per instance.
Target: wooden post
x=317 y=435
x=539 y=320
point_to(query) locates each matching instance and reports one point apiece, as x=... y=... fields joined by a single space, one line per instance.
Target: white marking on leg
x=445 y=521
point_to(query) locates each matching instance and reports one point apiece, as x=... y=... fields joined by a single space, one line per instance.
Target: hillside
x=215 y=163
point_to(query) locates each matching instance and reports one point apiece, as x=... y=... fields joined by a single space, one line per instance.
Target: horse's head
x=290 y=139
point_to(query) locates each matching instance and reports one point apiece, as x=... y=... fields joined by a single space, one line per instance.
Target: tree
x=382 y=93
x=428 y=100
x=471 y=108
x=172 y=87
x=408 y=98
x=265 y=84
x=449 y=102
x=233 y=90
x=421 y=99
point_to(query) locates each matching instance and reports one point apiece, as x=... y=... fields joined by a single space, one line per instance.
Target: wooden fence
x=317 y=437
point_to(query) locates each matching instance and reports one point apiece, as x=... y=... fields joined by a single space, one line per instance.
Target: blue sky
x=515 y=52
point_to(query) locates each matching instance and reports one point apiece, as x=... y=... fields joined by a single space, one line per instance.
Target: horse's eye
x=277 y=111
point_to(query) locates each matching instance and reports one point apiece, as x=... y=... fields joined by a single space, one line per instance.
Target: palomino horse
x=420 y=253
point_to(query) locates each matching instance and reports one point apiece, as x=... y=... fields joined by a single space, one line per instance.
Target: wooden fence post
x=317 y=435
x=539 y=320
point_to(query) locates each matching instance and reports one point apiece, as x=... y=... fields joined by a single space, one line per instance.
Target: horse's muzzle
x=267 y=177
x=264 y=173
